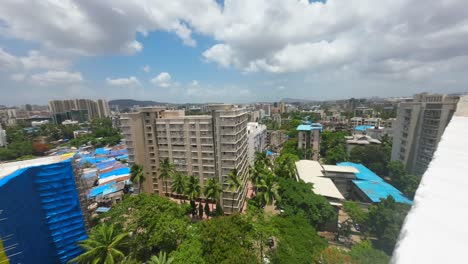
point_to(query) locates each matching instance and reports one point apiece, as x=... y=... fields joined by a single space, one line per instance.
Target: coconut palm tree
x=285 y=166
x=160 y=259
x=179 y=183
x=268 y=189
x=213 y=191
x=193 y=190
x=233 y=182
x=262 y=158
x=104 y=245
x=166 y=171
x=137 y=175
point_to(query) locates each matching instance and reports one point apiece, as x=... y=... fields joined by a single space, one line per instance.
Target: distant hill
x=294 y=100
x=127 y=103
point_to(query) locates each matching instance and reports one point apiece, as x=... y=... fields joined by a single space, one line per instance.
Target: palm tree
x=160 y=259
x=178 y=184
x=285 y=166
x=213 y=191
x=233 y=182
x=268 y=190
x=137 y=175
x=193 y=190
x=262 y=158
x=104 y=245
x=166 y=171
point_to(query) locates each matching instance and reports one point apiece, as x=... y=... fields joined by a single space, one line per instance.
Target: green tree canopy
x=156 y=224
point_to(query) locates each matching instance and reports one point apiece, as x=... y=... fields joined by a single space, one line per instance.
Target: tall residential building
x=206 y=146
x=78 y=109
x=41 y=220
x=308 y=139
x=257 y=134
x=3 y=139
x=419 y=126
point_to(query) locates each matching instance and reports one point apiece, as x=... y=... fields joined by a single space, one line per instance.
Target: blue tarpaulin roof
x=101 y=151
x=364 y=172
x=362 y=128
x=312 y=126
x=102 y=189
x=381 y=190
x=105 y=164
x=117 y=172
x=373 y=186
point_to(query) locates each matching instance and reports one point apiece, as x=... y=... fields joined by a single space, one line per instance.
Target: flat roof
x=309 y=168
x=362 y=128
x=364 y=173
x=313 y=126
x=310 y=171
x=377 y=190
x=10 y=167
x=342 y=169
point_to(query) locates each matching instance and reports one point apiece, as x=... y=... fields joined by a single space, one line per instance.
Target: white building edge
x=435 y=229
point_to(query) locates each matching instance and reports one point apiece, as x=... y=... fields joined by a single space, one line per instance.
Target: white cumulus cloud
x=162 y=80
x=56 y=78
x=131 y=81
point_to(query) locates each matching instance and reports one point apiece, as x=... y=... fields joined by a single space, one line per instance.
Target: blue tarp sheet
x=373 y=186
x=101 y=151
x=381 y=190
x=364 y=172
x=41 y=214
x=362 y=128
x=89 y=175
x=119 y=171
x=102 y=189
x=105 y=164
x=102 y=210
x=122 y=157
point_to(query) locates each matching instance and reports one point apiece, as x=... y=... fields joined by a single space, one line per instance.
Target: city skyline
x=233 y=51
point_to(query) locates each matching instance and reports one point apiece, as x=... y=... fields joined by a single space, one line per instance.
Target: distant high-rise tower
x=206 y=146
x=78 y=109
x=419 y=126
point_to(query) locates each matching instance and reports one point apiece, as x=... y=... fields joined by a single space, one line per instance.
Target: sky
x=230 y=51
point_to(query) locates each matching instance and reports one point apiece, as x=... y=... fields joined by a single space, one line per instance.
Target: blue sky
x=233 y=51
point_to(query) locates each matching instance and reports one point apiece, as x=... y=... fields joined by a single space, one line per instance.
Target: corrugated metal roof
x=377 y=190
x=310 y=171
x=364 y=172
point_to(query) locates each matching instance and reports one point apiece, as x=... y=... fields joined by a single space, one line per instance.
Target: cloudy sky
x=230 y=51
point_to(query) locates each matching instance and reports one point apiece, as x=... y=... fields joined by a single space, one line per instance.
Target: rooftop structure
x=434 y=230
x=374 y=187
x=310 y=171
x=308 y=139
x=40 y=216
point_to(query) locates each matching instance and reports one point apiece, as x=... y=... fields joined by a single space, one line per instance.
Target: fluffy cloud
x=33 y=61
x=18 y=77
x=131 y=81
x=56 y=78
x=162 y=80
x=146 y=68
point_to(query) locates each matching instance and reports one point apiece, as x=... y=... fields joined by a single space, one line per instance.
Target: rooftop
x=310 y=171
x=342 y=169
x=312 y=126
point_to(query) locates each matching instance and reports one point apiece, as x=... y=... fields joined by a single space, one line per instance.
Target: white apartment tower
x=206 y=146
x=419 y=126
x=257 y=136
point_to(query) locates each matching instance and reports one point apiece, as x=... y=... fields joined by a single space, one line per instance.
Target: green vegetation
x=374 y=157
x=361 y=253
x=385 y=220
x=356 y=213
x=102 y=134
x=333 y=147
x=137 y=175
x=402 y=180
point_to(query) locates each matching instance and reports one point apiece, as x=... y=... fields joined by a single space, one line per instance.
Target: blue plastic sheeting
x=312 y=126
x=364 y=172
x=92 y=160
x=101 y=151
x=122 y=157
x=117 y=172
x=362 y=128
x=105 y=164
x=381 y=190
x=118 y=152
x=41 y=214
x=102 y=190
x=269 y=153
x=102 y=210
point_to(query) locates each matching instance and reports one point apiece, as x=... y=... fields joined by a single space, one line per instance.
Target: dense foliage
x=385 y=220
x=333 y=147
x=297 y=198
x=402 y=180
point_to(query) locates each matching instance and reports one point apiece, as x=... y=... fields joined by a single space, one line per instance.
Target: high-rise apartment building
x=3 y=138
x=206 y=146
x=257 y=134
x=78 y=109
x=308 y=139
x=419 y=126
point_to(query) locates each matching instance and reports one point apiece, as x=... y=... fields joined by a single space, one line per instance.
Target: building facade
x=308 y=139
x=257 y=134
x=80 y=110
x=419 y=126
x=3 y=138
x=205 y=146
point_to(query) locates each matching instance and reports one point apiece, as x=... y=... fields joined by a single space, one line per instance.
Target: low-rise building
x=257 y=135
x=275 y=139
